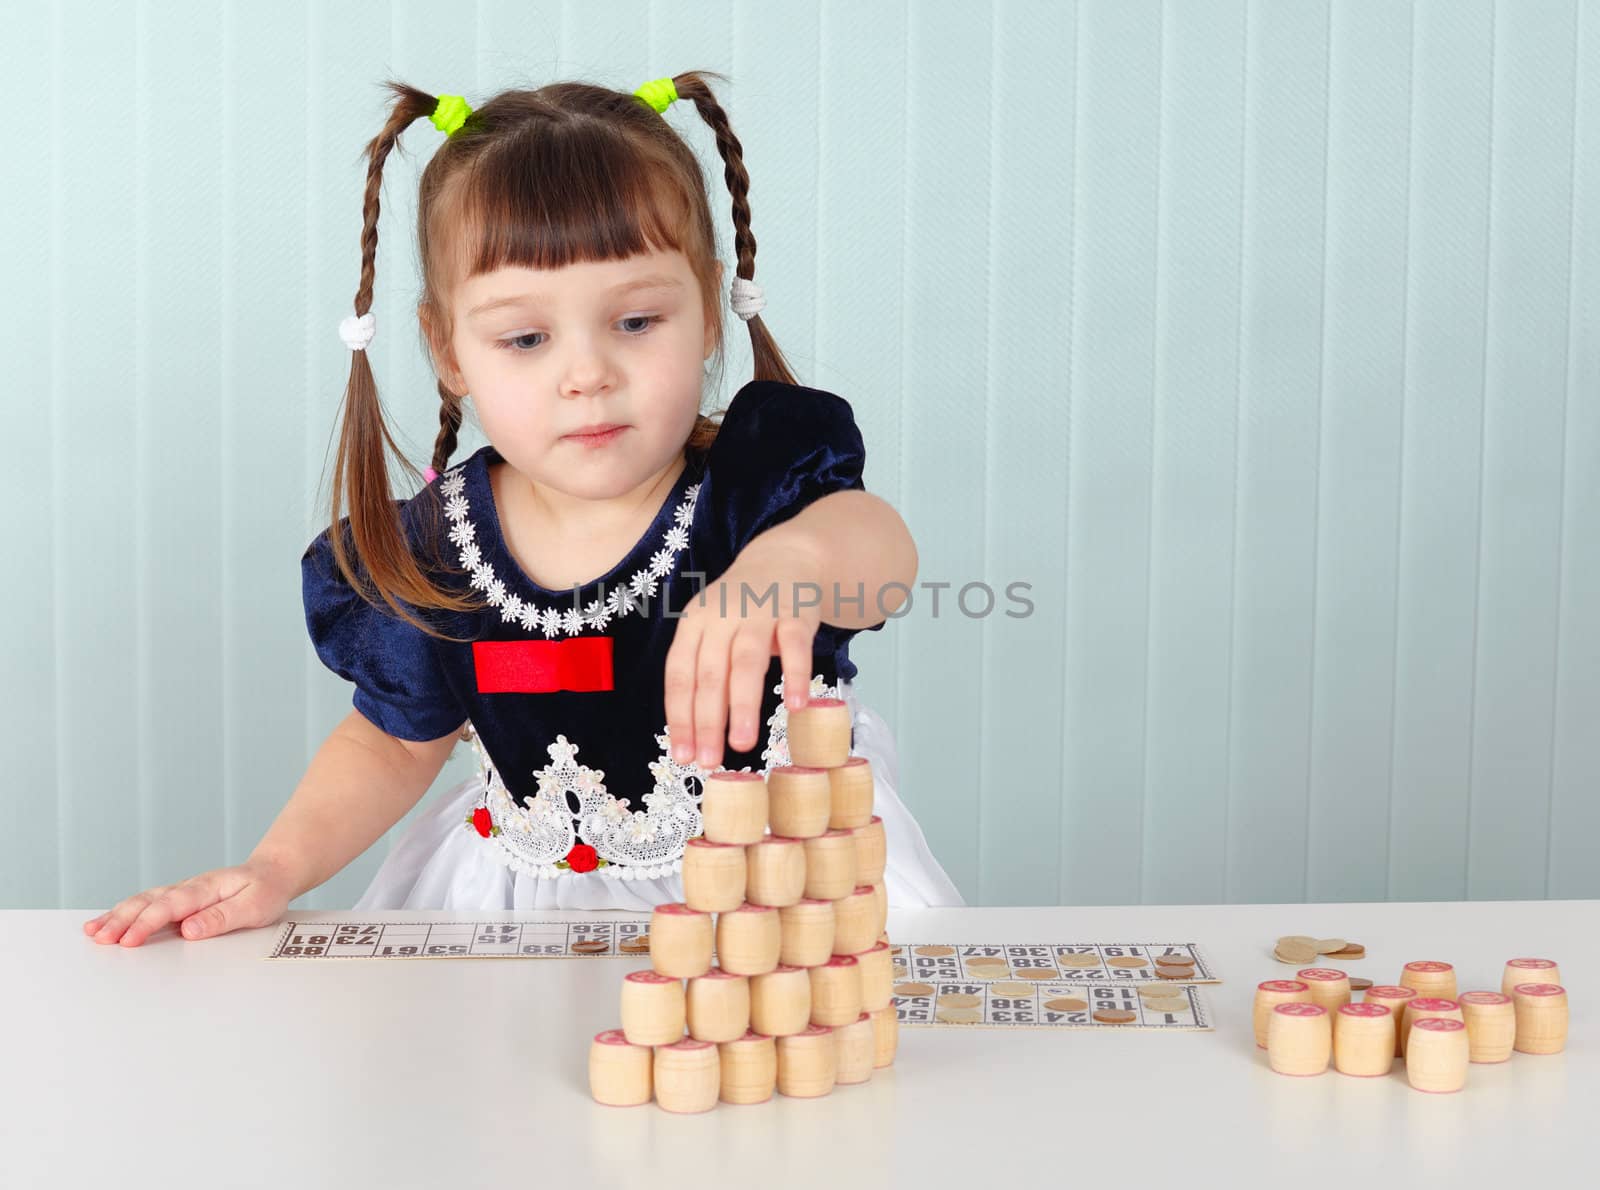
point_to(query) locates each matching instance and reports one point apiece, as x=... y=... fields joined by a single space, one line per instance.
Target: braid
x=769 y=361
x=375 y=557
x=734 y=173
x=411 y=105
x=449 y=423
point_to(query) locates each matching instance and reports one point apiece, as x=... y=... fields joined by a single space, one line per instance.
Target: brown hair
x=537 y=179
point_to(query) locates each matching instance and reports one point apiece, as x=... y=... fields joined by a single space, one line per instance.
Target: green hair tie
x=658 y=93
x=451 y=112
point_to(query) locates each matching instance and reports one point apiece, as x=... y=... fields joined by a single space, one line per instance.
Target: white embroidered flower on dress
x=685 y=513
x=640 y=829
x=563 y=753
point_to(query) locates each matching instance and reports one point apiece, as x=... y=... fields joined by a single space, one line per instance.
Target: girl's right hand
x=255 y=893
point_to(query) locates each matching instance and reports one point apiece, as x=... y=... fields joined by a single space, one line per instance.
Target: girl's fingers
x=794 y=647
x=154 y=915
x=711 y=696
x=751 y=658
x=679 y=688
x=173 y=905
x=118 y=918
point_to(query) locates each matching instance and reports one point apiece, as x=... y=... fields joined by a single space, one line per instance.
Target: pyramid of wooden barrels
x=787 y=884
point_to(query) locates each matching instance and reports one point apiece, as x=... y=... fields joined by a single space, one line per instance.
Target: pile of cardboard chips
x=1172 y=966
x=1302 y=948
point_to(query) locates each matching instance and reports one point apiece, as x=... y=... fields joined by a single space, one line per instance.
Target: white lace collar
x=551 y=620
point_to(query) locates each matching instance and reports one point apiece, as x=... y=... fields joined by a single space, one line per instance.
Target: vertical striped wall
x=1260 y=340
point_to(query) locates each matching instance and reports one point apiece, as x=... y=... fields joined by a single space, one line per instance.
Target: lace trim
x=637 y=844
x=552 y=621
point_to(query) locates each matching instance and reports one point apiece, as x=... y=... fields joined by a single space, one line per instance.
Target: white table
x=200 y=1064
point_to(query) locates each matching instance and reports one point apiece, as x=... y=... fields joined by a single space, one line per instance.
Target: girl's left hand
x=718 y=661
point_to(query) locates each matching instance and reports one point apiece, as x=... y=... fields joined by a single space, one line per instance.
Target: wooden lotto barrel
x=733 y=807
x=680 y=940
x=1269 y=995
x=713 y=875
x=1437 y=1053
x=1299 y=1039
x=1363 y=1039
x=855 y=1047
x=872 y=851
x=776 y=871
x=806 y=933
x=717 y=1006
x=819 y=733
x=855 y=921
x=688 y=1075
x=780 y=1001
x=807 y=1062
x=749 y=939
x=830 y=865
x=836 y=991
x=749 y=1068
x=799 y=801
x=620 y=1073
x=850 y=783
x=1541 y=1010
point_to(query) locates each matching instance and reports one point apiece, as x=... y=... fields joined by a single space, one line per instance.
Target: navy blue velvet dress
x=560 y=693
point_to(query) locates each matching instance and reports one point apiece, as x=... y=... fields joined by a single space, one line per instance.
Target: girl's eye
x=649 y=320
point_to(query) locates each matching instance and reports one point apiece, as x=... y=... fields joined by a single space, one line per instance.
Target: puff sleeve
x=780 y=447
x=400 y=683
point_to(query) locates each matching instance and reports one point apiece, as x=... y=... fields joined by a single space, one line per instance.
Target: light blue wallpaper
x=1260 y=339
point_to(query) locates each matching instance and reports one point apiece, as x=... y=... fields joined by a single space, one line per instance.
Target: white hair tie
x=748 y=300
x=358 y=332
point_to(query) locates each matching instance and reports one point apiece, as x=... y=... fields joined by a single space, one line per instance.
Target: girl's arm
x=858 y=549
x=360 y=783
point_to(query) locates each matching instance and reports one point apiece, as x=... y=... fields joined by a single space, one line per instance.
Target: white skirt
x=438 y=865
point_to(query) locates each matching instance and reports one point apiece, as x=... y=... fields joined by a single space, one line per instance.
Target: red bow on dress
x=540 y=666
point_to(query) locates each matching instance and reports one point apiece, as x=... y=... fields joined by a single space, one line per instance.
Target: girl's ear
x=444 y=359
x=711 y=330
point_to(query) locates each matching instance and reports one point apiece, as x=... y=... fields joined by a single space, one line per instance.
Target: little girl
x=591 y=599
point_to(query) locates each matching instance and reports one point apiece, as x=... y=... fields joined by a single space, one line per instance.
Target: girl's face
x=545 y=353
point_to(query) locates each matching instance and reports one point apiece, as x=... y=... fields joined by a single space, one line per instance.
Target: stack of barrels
x=1304 y=1022
x=786 y=883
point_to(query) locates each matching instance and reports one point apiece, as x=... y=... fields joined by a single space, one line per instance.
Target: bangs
x=547 y=196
